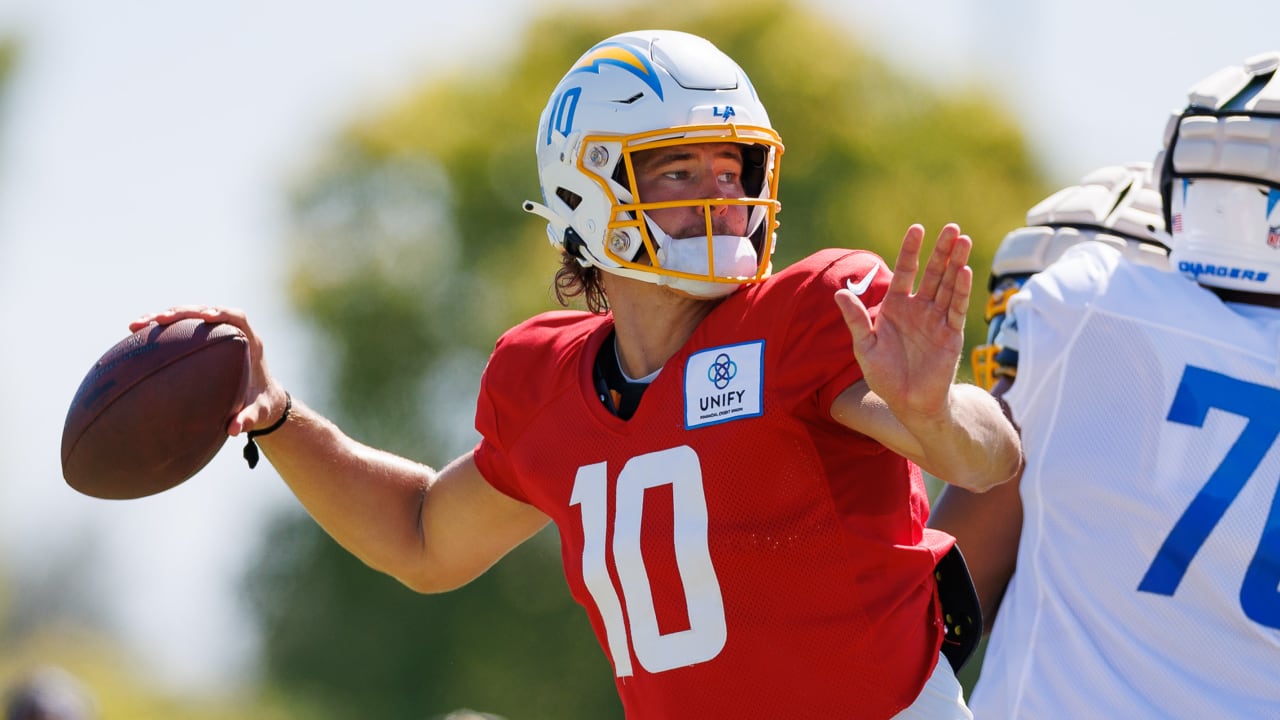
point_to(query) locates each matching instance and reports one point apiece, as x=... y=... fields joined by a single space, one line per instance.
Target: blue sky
x=142 y=162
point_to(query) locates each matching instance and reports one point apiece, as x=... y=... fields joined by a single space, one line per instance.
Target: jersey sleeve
x=531 y=362
x=818 y=362
x=490 y=456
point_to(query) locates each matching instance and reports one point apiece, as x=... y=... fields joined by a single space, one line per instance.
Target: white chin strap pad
x=733 y=258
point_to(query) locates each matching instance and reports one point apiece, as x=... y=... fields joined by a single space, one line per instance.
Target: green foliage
x=412 y=255
x=9 y=50
x=356 y=644
x=8 y=57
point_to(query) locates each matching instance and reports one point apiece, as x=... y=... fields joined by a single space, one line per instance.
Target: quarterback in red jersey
x=739 y=553
x=737 y=490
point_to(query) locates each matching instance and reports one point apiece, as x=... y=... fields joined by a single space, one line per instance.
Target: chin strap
x=251 y=447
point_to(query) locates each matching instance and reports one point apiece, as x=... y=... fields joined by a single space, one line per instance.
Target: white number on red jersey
x=638 y=629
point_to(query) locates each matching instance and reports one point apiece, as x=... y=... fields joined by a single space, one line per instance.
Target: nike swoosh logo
x=861 y=286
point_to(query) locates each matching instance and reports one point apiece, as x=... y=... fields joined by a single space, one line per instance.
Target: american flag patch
x=1177 y=223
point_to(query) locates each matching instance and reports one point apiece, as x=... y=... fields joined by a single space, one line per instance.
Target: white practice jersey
x=1148 y=574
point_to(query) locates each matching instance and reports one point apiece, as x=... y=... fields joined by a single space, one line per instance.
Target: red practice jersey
x=738 y=552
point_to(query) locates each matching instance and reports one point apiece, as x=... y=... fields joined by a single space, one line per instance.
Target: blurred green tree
x=412 y=255
x=8 y=58
x=9 y=50
x=8 y=54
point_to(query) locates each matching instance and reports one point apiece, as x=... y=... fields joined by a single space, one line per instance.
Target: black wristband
x=251 y=448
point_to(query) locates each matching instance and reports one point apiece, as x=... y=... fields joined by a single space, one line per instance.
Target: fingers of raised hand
x=940 y=270
x=856 y=317
x=959 y=307
x=957 y=254
x=904 y=269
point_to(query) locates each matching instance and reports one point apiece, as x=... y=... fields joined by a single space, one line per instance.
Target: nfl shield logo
x=1273 y=237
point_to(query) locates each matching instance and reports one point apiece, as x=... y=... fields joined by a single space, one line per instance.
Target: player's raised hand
x=910 y=351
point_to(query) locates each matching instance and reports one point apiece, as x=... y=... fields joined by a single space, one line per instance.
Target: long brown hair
x=574 y=280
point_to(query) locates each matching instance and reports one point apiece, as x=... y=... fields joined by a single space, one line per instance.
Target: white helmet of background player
x=639 y=91
x=1219 y=175
x=1117 y=205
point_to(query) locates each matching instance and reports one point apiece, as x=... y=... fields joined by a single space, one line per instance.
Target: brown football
x=154 y=409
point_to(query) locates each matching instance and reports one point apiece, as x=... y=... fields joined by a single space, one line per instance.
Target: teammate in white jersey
x=1148 y=557
x=1118 y=206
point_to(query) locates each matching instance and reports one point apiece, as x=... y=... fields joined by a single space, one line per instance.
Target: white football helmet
x=639 y=91
x=1219 y=176
x=1117 y=205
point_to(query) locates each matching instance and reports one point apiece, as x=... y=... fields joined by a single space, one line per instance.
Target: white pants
x=941 y=699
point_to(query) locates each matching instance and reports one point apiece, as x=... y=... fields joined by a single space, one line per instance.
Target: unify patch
x=724 y=383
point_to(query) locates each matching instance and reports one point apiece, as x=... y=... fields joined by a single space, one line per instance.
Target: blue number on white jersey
x=1199 y=391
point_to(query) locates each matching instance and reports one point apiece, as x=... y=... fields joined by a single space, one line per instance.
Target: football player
x=1116 y=205
x=1147 y=546
x=732 y=457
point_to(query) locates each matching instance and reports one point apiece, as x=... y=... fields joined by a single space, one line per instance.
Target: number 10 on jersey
x=637 y=629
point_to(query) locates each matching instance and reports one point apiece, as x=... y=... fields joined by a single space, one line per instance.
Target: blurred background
x=351 y=174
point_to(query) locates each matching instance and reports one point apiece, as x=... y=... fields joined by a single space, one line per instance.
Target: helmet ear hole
x=570 y=198
x=575 y=246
